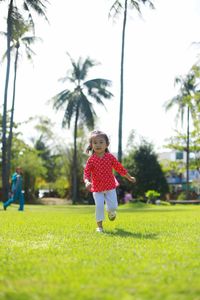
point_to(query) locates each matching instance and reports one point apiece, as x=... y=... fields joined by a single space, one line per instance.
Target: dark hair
x=18 y=168
x=96 y=133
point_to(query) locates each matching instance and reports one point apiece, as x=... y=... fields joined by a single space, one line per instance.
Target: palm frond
x=135 y=5
x=63 y=79
x=19 y=38
x=97 y=89
x=31 y=39
x=72 y=107
x=38 y=6
x=60 y=99
x=75 y=68
x=3 y=33
x=29 y=52
x=150 y=3
x=98 y=83
x=12 y=47
x=115 y=9
x=174 y=101
x=86 y=65
x=87 y=112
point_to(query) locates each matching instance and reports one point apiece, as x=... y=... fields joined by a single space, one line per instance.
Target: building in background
x=177 y=180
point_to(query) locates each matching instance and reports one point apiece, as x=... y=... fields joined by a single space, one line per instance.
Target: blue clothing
x=16 y=189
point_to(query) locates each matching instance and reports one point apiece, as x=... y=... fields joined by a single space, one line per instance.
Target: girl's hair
x=96 y=133
x=18 y=169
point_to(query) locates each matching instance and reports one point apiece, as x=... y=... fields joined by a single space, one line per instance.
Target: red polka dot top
x=99 y=171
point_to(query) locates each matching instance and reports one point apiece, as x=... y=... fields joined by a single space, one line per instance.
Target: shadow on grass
x=135 y=235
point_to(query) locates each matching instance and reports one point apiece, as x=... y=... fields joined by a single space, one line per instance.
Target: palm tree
x=19 y=40
x=186 y=101
x=118 y=7
x=77 y=106
x=27 y=6
x=5 y=176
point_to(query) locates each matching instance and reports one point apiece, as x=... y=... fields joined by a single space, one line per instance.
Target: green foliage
x=150 y=252
x=152 y=195
x=77 y=105
x=32 y=166
x=60 y=186
x=143 y=164
x=44 y=143
x=182 y=196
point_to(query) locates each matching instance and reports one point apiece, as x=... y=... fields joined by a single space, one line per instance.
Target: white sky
x=158 y=48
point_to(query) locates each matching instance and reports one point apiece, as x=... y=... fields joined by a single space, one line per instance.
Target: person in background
x=16 y=190
x=127 y=197
x=99 y=177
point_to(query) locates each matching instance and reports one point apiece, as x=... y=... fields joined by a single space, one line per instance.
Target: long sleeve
x=87 y=171
x=117 y=166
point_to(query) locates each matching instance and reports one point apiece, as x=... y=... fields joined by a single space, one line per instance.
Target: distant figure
x=16 y=190
x=99 y=178
x=127 y=197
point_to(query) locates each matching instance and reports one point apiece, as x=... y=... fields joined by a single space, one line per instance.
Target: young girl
x=99 y=178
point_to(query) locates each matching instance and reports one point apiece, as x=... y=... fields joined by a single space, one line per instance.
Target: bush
x=152 y=196
x=181 y=196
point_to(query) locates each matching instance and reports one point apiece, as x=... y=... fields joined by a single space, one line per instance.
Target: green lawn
x=54 y=253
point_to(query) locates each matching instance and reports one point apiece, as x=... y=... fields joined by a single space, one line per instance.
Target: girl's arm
x=122 y=171
x=87 y=175
x=130 y=178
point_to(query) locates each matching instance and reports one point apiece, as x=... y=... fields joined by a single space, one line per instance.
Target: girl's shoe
x=99 y=229
x=112 y=215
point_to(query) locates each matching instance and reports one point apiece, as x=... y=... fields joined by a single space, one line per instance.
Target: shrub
x=152 y=196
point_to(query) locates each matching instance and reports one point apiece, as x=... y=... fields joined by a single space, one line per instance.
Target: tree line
x=48 y=164
x=77 y=104
x=20 y=21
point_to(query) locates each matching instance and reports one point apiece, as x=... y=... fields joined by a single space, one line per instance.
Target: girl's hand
x=132 y=179
x=88 y=185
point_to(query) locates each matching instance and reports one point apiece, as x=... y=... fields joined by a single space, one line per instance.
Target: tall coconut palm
x=27 y=6
x=5 y=180
x=19 y=40
x=118 y=7
x=77 y=104
x=186 y=101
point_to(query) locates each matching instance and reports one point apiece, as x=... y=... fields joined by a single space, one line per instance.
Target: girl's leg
x=100 y=224
x=111 y=200
x=9 y=201
x=21 y=201
x=99 y=202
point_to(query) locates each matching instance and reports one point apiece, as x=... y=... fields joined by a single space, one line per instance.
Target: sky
x=159 y=47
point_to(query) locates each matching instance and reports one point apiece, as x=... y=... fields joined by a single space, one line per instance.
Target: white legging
x=110 y=197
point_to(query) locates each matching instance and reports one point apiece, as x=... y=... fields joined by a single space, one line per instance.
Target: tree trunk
x=5 y=175
x=122 y=85
x=75 y=167
x=12 y=113
x=188 y=155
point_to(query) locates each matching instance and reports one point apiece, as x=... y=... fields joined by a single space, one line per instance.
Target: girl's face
x=99 y=145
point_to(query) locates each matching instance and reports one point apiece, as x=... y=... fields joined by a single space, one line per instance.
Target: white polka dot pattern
x=99 y=171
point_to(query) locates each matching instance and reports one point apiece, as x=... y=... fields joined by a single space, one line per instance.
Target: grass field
x=54 y=253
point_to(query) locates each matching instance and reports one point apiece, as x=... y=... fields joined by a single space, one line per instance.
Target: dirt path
x=54 y=201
